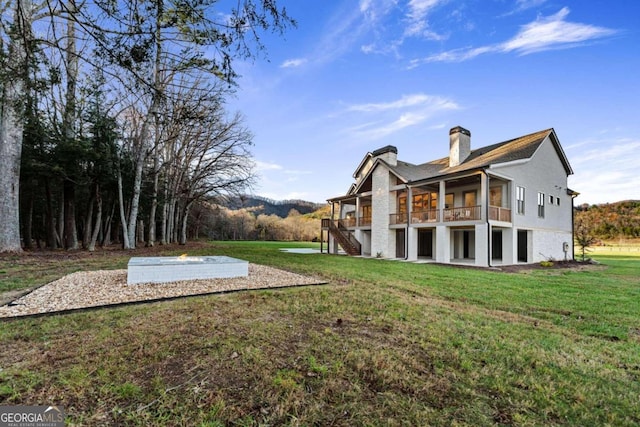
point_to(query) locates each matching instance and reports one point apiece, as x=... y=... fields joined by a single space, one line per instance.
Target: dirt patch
x=557 y=265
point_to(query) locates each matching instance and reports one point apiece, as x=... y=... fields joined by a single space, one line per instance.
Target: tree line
x=252 y=223
x=610 y=220
x=113 y=123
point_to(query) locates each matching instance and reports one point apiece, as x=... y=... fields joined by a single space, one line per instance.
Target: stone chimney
x=459 y=145
x=389 y=154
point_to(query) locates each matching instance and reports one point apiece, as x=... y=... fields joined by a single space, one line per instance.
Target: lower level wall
x=550 y=245
x=542 y=245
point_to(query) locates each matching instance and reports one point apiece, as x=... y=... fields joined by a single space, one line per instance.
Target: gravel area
x=109 y=287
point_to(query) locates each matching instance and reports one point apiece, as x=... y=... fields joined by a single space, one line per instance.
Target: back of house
x=501 y=204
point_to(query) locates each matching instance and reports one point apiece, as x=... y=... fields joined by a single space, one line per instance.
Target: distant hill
x=268 y=206
x=612 y=220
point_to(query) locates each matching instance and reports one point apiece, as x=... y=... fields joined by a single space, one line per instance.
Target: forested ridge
x=259 y=221
x=611 y=220
x=268 y=206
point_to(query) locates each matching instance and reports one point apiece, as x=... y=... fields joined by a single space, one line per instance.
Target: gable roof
x=513 y=150
x=522 y=148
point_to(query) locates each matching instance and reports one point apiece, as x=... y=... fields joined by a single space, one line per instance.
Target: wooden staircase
x=343 y=236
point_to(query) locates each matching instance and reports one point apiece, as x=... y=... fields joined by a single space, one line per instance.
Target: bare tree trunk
x=123 y=217
x=163 y=227
x=183 y=226
x=70 y=230
x=12 y=126
x=61 y=217
x=154 y=194
x=50 y=221
x=144 y=133
x=156 y=148
x=106 y=239
x=28 y=222
x=97 y=222
x=130 y=228
x=88 y=223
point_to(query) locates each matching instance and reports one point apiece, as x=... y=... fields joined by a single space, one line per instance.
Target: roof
x=522 y=148
x=517 y=149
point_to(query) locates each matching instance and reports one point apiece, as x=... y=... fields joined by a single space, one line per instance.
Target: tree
x=146 y=47
x=583 y=234
x=159 y=42
x=206 y=155
x=14 y=83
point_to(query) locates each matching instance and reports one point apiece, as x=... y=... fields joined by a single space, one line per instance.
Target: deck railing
x=398 y=218
x=467 y=213
x=364 y=221
x=348 y=222
x=429 y=215
x=498 y=213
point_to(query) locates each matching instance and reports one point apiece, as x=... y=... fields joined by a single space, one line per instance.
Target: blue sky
x=355 y=76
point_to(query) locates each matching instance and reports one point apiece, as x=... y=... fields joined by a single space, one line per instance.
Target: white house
x=502 y=204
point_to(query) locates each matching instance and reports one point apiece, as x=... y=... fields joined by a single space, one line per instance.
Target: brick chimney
x=459 y=145
x=389 y=154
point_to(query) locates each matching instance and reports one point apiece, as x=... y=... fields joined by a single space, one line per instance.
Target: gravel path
x=108 y=287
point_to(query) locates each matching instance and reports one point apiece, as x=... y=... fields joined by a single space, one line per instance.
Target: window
x=366 y=211
x=402 y=204
x=495 y=196
x=469 y=199
x=448 y=200
x=541 y=205
x=520 y=200
x=551 y=200
x=557 y=201
x=419 y=202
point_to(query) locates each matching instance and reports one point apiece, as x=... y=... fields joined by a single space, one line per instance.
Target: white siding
x=543 y=173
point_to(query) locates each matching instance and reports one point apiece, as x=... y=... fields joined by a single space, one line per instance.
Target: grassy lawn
x=384 y=343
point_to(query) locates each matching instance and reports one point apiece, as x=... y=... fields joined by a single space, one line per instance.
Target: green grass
x=384 y=343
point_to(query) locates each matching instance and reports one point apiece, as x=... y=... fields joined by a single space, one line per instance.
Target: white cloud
x=348 y=26
x=522 y=5
x=385 y=118
x=403 y=102
x=418 y=22
x=266 y=166
x=545 y=33
x=552 y=32
x=293 y=63
x=528 y=4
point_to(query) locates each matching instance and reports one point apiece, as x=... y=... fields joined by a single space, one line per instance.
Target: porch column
x=443 y=236
x=482 y=245
x=412 y=232
x=509 y=245
x=484 y=196
x=358 y=214
x=442 y=191
x=443 y=244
